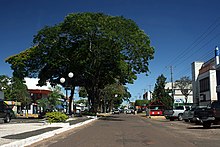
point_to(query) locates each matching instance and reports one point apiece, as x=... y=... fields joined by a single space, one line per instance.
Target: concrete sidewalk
x=23 y=134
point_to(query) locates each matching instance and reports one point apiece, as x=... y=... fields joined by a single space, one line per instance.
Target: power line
x=196 y=42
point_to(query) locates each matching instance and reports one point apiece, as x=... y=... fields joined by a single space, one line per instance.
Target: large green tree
x=14 y=90
x=160 y=93
x=113 y=95
x=97 y=48
x=5 y=86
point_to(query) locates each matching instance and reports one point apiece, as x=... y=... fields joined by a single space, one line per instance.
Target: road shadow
x=111 y=118
x=30 y=133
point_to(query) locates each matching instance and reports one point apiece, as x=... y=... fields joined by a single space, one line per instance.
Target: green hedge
x=54 y=117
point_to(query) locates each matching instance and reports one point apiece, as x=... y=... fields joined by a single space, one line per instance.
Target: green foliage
x=114 y=94
x=82 y=92
x=20 y=91
x=142 y=102
x=15 y=90
x=5 y=86
x=54 y=117
x=52 y=100
x=160 y=93
x=44 y=103
x=97 y=48
x=82 y=101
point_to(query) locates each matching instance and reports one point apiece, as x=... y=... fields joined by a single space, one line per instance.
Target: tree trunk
x=186 y=99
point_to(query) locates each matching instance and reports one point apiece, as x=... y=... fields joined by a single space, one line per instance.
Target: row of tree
x=99 y=49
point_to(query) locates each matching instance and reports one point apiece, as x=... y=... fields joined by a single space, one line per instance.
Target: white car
x=116 y=111
x=128 y=111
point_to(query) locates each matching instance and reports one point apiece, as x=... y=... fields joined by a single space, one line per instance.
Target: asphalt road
x=132 y=130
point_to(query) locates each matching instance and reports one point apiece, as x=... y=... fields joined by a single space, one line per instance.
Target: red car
x=156 y=112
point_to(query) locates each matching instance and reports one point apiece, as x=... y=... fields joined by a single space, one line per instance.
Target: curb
x=37 y=138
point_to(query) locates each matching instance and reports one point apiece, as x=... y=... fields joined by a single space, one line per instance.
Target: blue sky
x=181 y=31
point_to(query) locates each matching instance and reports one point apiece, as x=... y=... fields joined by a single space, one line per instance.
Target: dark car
x=6 y=112
x=208 y=115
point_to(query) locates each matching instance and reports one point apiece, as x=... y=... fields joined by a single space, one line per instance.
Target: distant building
x=147 y=95
x=178 y=96
x=36 y=92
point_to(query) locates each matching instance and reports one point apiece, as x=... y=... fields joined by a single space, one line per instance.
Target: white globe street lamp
x=63 y=80
x=70 y=75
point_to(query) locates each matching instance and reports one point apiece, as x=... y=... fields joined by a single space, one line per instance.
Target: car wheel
x=186 y=120
x=7 y=119
x=180 y=117
x=206 y=124
x=171 y=119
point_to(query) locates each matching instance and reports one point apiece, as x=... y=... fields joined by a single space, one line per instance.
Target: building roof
x=209 y=65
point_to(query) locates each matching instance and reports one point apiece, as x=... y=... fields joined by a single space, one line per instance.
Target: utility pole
x=171 y=73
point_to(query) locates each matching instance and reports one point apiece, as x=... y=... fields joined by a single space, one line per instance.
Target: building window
x=202 y=97
x=204 y=85
x=218 y=77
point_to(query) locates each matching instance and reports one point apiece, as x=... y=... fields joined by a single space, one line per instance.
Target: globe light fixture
x=70 y=75
x=62 y=80
x=65 y=82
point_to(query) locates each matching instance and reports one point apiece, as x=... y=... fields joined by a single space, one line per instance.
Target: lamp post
x=63 y=80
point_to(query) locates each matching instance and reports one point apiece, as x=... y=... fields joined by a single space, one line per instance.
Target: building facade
x=204 y=82
x=36 y=92
x=178 y=96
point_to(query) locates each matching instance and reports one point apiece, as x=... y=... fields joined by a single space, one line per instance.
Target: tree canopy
x=52 y=100
x=160 y=93
x=185 y=86
x=97 y=48
x=14 y=90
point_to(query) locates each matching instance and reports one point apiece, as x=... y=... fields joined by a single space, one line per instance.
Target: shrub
x=54 y=117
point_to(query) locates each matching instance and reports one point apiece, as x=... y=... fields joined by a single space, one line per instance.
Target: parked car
x=128 y=111
x=188 y=114
x=208 y=115
x=191 y=115
x=116 y=111
x=154 y=112
x=6 y=112
x=175 y=113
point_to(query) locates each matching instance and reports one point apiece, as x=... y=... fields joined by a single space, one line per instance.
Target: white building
x=36 y=92
x=204 y=82
x=147 y=95
x=178 y=96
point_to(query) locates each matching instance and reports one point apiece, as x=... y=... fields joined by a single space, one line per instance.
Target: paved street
x=132 y=130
